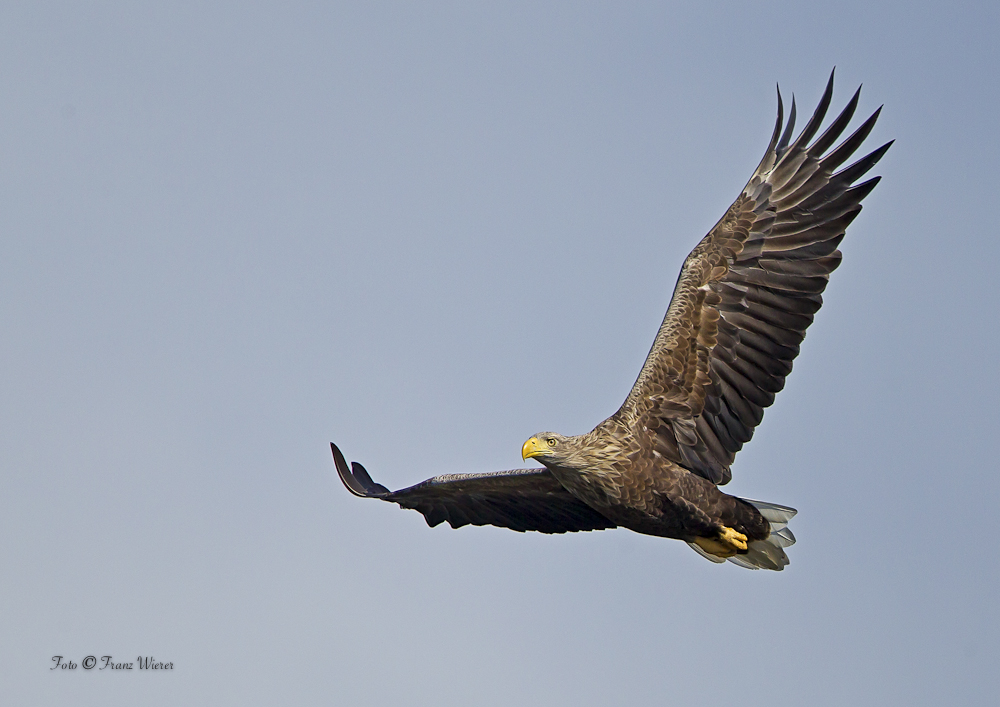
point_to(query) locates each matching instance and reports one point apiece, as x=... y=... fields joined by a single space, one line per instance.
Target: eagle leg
x=726 y=544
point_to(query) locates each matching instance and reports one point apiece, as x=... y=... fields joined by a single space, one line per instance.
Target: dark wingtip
x=361 y=474
x=777 y=123
x=789 y=128
x=355 y=482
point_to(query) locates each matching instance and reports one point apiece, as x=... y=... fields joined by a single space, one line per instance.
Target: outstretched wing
x=746 y=295
x=522 y=499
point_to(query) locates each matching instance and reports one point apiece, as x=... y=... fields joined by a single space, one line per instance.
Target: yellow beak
x=534 y=447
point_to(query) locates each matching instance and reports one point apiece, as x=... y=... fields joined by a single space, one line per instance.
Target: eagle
x=740 y=308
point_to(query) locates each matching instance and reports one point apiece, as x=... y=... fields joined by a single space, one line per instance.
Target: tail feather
x=782 y=537
x=707 y=555
x=772 y=512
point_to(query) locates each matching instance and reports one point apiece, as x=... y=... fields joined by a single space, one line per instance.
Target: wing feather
x=749 y=290
x=521 y=499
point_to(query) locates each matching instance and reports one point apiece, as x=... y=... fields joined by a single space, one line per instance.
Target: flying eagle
x=740 y=309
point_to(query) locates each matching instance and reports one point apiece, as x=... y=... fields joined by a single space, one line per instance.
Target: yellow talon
x=733 y=538
x=726 y=544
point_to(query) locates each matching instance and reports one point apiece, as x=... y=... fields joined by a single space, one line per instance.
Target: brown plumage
x=742 y=303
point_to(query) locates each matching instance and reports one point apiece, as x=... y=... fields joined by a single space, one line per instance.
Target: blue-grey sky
x=231 y=234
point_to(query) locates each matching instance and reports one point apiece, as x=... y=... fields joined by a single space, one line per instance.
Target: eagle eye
x=551 y=441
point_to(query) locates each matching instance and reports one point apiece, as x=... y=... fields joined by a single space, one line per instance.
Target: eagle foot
x=726 y=544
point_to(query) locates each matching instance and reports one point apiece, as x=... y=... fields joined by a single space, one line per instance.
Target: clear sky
x=232 y=234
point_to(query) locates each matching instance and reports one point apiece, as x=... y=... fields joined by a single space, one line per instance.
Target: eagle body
x=655 y=496
x=644 y=490
x=740 y=308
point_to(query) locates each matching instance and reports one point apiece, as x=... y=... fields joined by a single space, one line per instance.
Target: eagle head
x=550 y=448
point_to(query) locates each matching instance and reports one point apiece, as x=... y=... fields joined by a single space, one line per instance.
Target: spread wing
x=746 y=295
x=522 y=499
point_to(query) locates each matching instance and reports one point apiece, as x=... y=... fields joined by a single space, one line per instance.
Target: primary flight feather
x=740 y=309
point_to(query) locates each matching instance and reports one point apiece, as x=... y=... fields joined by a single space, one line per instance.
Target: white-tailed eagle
x=740 y=309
